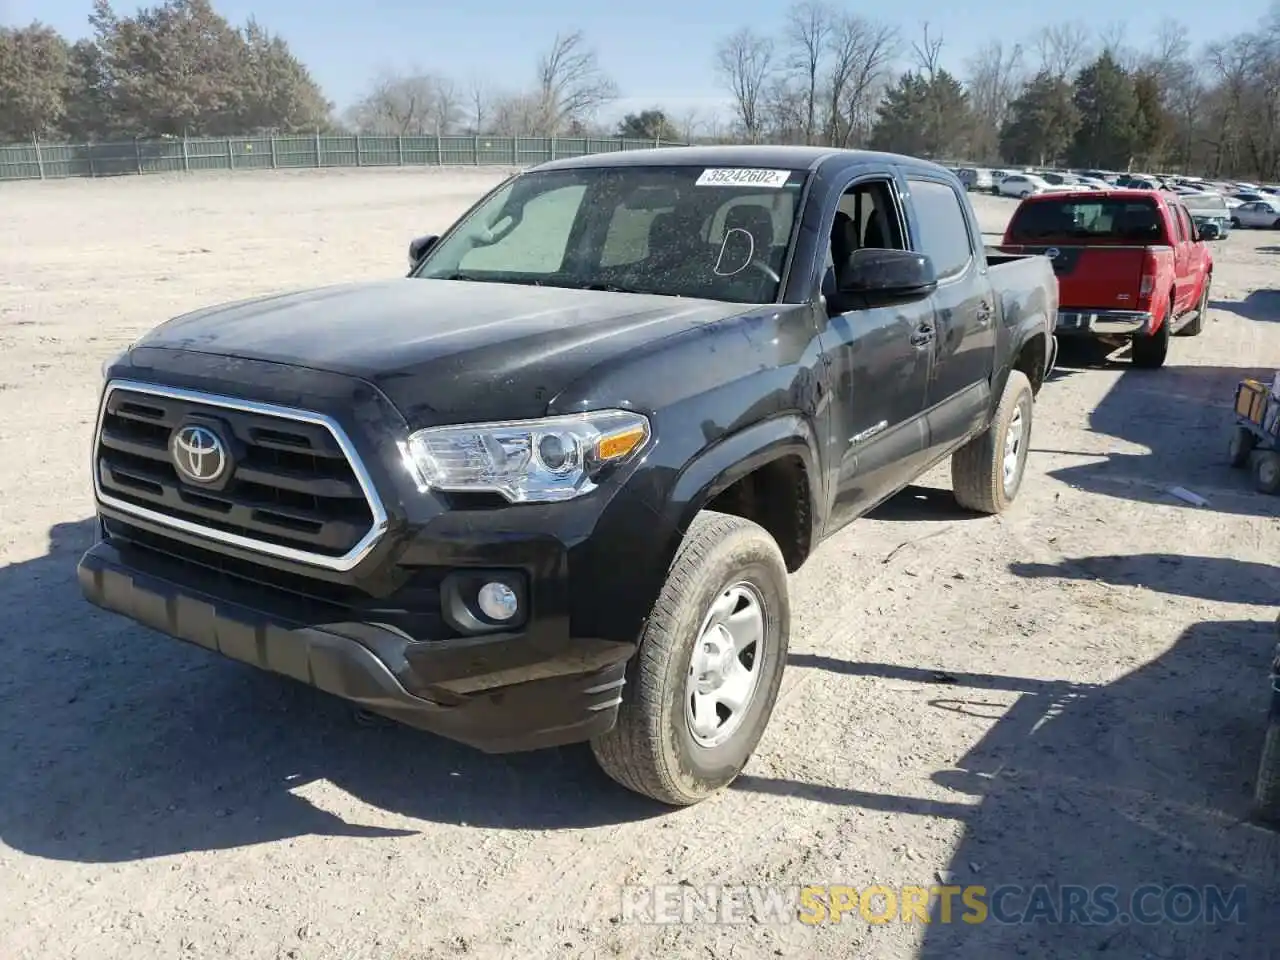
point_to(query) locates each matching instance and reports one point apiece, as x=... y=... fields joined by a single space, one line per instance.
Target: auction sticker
x=743 y=177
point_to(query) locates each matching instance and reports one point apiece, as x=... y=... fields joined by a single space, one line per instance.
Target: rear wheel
x=702 y=686
x=986 y=473
x=1150 y=350
x=1266 y=472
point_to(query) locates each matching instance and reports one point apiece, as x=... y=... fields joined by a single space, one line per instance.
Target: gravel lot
x=1070 y=694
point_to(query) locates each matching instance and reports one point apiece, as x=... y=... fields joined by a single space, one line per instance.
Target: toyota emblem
x=1052 y=253
x=199 y=454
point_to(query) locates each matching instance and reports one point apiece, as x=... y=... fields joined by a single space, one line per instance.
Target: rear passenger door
x=1182 y=277
x=959 y=391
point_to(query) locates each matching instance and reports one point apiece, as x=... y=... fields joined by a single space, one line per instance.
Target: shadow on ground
x=1217 y=579
x=1181 y=415
x=119 y=744
x=1260 y=305
x=1145 y=780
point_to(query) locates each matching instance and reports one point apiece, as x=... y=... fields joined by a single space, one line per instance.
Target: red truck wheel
x=1150 y=350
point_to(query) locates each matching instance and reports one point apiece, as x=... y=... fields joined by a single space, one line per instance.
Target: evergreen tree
x=1042 y=122
x=1108 y=106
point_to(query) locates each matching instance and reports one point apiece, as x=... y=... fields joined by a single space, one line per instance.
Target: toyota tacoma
x=548 y=487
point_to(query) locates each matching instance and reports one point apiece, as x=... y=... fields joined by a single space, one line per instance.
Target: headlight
x=556 y=458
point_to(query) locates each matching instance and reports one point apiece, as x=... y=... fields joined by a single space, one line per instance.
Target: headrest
x=844 y=238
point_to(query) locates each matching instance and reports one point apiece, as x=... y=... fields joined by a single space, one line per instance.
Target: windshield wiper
x=608 y=287
x=477 y=278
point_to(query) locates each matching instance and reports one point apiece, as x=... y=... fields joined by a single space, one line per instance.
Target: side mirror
x=1208 y=231
x=420 y=247
x=887 y=276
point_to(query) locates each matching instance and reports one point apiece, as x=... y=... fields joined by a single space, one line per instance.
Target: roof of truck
x=763 y=156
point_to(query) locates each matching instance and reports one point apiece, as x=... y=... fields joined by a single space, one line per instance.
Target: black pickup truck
x=548 y=487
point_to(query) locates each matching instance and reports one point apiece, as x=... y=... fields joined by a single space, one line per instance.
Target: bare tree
x=809 y=26
x=996 y=77
x=689 y=123
x=479 y=100
x=1062 y=48
x=1113 y=39
x=571 y=85
x=406 y=105
x=745 y=64
x=927 y=53
x=862 y=52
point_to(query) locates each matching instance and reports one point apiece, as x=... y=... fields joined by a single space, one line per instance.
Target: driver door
x=879 y=366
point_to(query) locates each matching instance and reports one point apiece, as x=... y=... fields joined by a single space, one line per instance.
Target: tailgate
x=1096 y=275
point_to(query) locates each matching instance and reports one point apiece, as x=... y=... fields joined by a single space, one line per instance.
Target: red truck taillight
x=1148 y=284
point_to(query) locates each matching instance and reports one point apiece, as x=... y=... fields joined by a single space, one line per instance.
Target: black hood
x=442 y=350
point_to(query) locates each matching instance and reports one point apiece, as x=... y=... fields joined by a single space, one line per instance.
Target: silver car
x=1257 y=213
x=975 y=178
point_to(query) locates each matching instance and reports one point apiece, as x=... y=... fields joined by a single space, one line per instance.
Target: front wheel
x=1241 y=445
x=703 y=683
x=986 y=473
x=1266 y=791
x=1266 y=472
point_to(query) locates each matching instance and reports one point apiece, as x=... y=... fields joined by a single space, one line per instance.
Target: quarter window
x=944 y=230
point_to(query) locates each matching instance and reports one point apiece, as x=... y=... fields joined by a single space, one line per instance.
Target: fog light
x=497 y=601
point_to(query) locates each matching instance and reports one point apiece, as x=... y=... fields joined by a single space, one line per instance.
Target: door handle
x=922 y=337
x=984 y=312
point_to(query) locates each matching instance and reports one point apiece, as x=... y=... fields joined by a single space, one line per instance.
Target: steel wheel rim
x=725 y=666
x=1013 y=437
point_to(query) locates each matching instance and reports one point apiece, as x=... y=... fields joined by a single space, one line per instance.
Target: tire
x=1240 y=446
x=980 y=479
x=1266 y=472
x=1150 y=351
x=653 y=749
x=1276 y=225
x=1266 y=791
x=1235 y=223
x=1196 y=326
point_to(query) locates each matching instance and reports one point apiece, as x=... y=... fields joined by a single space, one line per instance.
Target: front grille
x=294 y=487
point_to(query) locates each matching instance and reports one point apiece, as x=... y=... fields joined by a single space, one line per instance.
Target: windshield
x=1086 y=219
x=719 y=234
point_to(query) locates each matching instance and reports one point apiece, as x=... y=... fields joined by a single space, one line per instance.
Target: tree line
x=1066 y=95
x=831 y=76
x=181 y=69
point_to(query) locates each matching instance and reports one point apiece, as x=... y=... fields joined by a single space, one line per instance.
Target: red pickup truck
x=1131 y=265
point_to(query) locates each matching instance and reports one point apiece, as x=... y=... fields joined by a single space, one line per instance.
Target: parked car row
x=1216 y=207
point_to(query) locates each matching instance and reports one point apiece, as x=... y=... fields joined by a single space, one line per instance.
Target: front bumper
x=1085 y=323
x=549 y=701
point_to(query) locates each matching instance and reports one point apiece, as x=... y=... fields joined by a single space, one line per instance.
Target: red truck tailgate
x=1095 y=276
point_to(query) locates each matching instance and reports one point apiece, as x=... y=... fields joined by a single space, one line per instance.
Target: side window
x=866 y=218
x=1180 y=226
x=944 y=230
x=537 y=244
x=1187 y=224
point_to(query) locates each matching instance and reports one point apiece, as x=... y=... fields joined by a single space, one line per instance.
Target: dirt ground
x=1072 y=694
